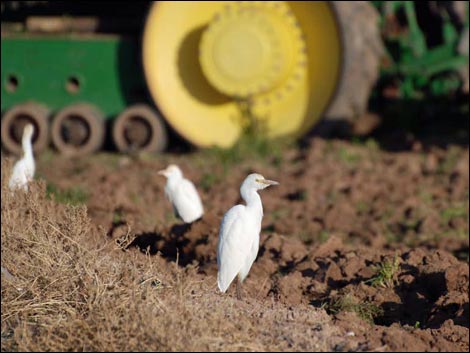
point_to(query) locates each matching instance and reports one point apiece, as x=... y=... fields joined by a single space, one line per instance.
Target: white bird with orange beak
x=239 y=234
x=23 y=171
x=182 y=194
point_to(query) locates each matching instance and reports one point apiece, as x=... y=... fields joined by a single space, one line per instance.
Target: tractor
x=88 y=72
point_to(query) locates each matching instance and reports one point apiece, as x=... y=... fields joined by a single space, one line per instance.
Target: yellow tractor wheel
x=202 y=58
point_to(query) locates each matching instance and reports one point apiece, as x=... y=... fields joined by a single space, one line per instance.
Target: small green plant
x=308 y=238
x=72 y=196
x=417 y=324
x=450 y=160
x=79 y=168
x=135 y=197
x=118 y=217
x=332 y=196
x=370 y=143
x=303 y=194
x=323 y=236
x=348 y=157
x=366 y=311
x=452 y=212
x=280 y=213
x=170 y=217
x=412 y=224
x=362 y=207
x=208 y=180
x=459 y=233
x=253 y=143
x=385 y=273
x=425 y=196
x=392 y=237
x=47 y=156
x=305 y=237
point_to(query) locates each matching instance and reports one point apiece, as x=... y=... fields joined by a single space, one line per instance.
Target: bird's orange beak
x=268 y=182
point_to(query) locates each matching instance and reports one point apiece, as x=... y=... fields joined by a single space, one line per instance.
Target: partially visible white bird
x=239 y=234
x=23 y=171
x=182 y=194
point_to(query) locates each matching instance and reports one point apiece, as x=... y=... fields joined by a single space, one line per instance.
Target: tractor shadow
x=399 y=125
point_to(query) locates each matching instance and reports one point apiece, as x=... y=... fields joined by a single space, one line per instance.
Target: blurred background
x=166 y=76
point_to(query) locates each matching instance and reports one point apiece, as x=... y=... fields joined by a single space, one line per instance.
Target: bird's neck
x=173 y=181
x=253 y=200
x=27 y=148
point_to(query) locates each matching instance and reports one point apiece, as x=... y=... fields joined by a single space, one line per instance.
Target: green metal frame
x=102 y=70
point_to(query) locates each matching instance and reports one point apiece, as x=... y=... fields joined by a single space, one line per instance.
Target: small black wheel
x=78 y=129
x=14 y=121
x=139 y=128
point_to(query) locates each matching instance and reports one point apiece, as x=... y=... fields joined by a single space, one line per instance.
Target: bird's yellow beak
x=267 y=182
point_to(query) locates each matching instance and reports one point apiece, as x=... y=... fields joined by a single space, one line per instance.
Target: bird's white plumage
x=239 y=233
x=23 y=170
x=235 y=245
x=182 y=194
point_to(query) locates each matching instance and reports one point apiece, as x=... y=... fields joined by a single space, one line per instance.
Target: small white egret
x=239 y=234
x=23 y=171
x=182 y=194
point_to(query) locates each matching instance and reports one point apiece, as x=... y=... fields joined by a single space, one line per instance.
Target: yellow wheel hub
x=201 y=57
x=249 y=49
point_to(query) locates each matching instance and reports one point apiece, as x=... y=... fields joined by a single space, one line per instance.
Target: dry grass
x=73 y=289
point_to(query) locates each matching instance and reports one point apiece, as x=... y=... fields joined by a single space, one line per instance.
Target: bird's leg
x=239 y=289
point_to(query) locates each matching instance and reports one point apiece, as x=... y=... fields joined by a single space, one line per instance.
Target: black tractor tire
x=362 y=49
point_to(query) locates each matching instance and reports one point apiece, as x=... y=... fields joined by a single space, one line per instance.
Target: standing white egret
x=182 y=194
x=23 y=171
x=239 y=234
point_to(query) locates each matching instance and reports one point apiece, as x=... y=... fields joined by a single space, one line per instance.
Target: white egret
x=239 y=234
x=182 y=194
x=23 y=171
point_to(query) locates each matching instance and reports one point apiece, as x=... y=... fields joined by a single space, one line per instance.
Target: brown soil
x=341 y=210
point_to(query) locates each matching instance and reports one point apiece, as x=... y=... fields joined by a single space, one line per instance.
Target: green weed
x=208 y=180
x=323 y=236
x=369 y=143
x=362 y=207
x=253 y=143
x=347 y=156
x=72 y=196
x=385 y=274
x=452 y=212
x=305 y=237
x=280 y=213
x=449 y=162
x=118 y=217
x=366 y=311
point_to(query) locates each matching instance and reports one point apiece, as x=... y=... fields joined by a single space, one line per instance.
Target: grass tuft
x=253 y=144
x=452 y=212
x=71 y=196
x=385 y=273
x=366 y=311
